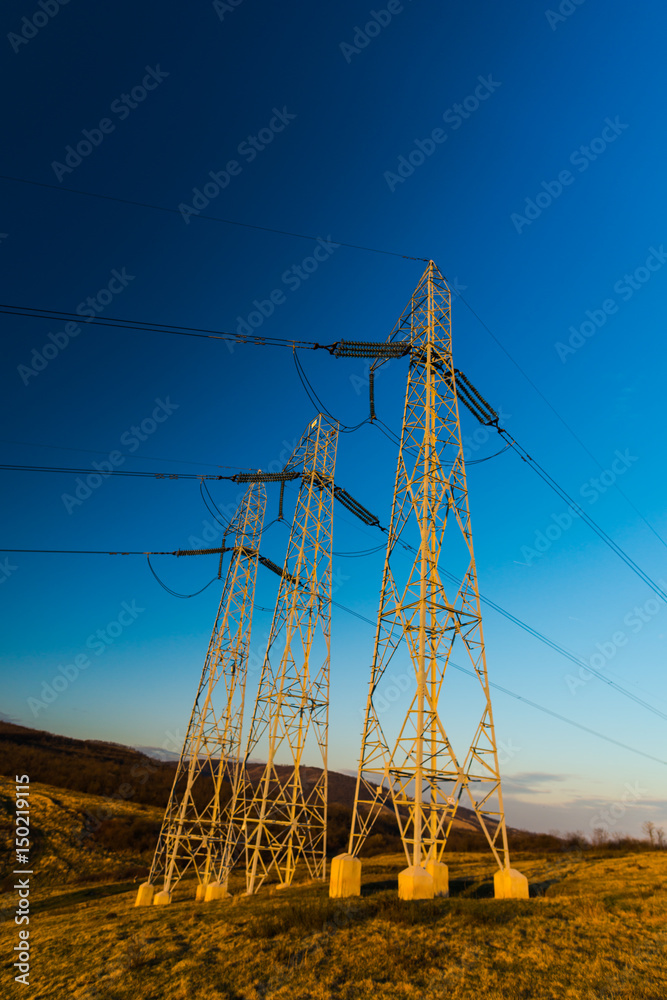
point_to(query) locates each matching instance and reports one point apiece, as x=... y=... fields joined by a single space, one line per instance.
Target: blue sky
x=523 y=151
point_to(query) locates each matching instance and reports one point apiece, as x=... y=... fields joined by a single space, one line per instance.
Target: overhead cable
x=210 y=218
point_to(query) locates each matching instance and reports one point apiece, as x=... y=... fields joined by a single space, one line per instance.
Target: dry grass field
x=597 y=930
x=594 y=929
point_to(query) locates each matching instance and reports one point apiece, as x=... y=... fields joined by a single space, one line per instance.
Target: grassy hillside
x=595 y=931
x=77 y=837
x=122 y=774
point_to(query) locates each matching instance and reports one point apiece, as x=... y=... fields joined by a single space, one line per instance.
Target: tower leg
x=345 y=877
x=145 y=894
x=440 y=875
x=215 y=890
x=508 y=883
x=415 y=883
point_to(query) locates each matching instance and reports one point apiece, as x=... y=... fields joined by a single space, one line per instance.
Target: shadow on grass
x=83 y=896
x=466 y=888
x=371 y=888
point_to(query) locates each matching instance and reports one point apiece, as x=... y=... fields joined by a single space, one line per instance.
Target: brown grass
x=597 y=932
x=594 y=929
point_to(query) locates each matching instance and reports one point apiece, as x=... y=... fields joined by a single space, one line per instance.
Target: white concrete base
x=145 y=894
x=162 y=898
x=345 y=877
x=200 y=892
x=214 y=890
x=440 y=875
x=415 y=883
x=510 y=884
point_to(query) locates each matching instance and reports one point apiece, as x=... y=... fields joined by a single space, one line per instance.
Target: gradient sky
x=541 y=202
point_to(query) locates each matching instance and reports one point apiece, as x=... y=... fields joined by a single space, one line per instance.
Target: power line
x=372 y=521
x=145 y=326
x=556 y=647
x=210 y=218
x=484 y=412
x=113 y=472
x=317 y=403
x=368 y=621
x=527 y=701
x=90 y=552
x=563 y=718
x=173 y=592
x=98 y=451
x=215 y=512
x=578 y=510
x=565 y=424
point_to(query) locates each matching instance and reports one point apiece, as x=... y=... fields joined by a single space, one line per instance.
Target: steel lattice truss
x=281 y=820
x=192 y=837
x=421 y=773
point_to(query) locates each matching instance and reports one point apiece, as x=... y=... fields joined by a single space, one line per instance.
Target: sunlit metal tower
x=192 y=838
x=422 y=627
x=281 y=820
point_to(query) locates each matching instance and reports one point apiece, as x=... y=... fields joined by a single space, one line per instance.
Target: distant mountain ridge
x=112 y=770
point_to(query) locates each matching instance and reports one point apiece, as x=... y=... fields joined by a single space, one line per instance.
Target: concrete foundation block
x=162 y=898
x=345 y=877
x=215 y=890
x=145 y=894
x=415 y=883
x=200 y=892
x=508 y=883
x=440 y=875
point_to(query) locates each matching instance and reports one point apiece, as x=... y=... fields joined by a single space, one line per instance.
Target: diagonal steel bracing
x=192 y=838
x=418 y=771
x=280 y=820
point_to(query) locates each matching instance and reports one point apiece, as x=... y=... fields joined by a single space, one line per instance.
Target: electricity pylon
x=193 y=830
x=281 y=819
x=421 y=773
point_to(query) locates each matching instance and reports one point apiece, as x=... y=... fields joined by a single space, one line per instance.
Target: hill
x=119 y=795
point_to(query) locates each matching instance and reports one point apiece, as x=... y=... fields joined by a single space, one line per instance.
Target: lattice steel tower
x=281 y=819
x=419 y=771
x=192 y=838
